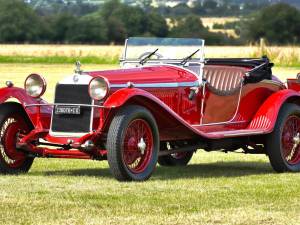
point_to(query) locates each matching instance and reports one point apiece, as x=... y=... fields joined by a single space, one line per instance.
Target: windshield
x=160 y=49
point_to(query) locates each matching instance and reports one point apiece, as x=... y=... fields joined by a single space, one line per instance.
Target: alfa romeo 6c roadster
x=165 y=102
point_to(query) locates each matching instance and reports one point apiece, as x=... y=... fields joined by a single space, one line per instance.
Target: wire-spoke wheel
x=132 y=144
x=291 y=140
x=13 y=123
x=283 y=144
x=137 y=145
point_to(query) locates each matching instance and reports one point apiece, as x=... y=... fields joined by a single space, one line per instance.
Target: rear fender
x=11 y=94
x=171 y=126
x=266 y=117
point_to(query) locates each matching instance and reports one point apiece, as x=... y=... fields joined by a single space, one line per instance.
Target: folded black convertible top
x=251 y=62
x=261 y=67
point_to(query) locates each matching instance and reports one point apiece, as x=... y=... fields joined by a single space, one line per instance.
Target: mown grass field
x=288 y=56
x=216 y=188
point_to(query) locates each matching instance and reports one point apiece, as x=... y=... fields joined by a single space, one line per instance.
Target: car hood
x=146 y=74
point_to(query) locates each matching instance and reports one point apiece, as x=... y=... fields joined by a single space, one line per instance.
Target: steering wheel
x=145 y=54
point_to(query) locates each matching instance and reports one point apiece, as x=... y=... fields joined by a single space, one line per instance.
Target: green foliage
x=157 y=25
x=87 y=29
x=114 y=21
x=278 y=24
x=228 y=25
x=192 y=27
x=19 y=23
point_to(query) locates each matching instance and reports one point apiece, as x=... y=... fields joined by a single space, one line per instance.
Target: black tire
x=123 y=120
x=275 y=143
x=13 y=118
x=180 y=159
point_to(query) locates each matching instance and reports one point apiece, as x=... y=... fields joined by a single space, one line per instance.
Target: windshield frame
x=124 y=58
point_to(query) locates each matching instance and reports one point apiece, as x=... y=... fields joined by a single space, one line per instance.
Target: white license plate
x=67 y=110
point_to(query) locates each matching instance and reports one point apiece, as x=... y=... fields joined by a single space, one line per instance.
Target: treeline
x=213 y=8
x=113 y=22
x=201 y=7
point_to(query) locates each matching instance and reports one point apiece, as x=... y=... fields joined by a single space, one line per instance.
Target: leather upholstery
x=224 y=80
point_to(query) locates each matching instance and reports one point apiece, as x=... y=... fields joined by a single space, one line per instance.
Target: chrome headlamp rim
x=107 y=86
x=43 y=84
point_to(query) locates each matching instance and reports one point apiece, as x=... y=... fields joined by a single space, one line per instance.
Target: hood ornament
x=78 y=68
x=77 y=71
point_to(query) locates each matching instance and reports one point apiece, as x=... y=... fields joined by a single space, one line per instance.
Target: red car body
x=228 y=111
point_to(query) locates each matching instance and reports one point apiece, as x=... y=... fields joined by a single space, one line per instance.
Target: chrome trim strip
x=244 y=133
x=221 y=123
x=159 y=85
x=66 y=135
x=62 y=104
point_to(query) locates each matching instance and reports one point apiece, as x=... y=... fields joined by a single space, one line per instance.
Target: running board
x=235 y=133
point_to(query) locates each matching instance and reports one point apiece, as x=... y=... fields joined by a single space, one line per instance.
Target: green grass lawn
x=216 y=188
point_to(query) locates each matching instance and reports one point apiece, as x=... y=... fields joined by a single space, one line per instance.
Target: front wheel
x=133 y=144
x=13 y=122
x=283 y=144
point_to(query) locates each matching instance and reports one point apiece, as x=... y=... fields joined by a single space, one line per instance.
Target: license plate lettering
x=67 y=110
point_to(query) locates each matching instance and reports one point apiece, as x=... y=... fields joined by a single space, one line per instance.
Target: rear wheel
x=132 y=144
x=177 y=159
x=12 y=123
x=283 y=144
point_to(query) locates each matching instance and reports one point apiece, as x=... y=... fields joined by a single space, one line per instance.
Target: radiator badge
x=75 y=78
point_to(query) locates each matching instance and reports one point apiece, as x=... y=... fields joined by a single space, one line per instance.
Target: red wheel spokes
x=289 y=140
x=9 y=131
x=138 y=133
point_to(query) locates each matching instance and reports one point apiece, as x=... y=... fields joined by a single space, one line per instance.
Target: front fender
x=170 y=124
x=10 y=93
x=266 y=117
x=122 y=96
x=16 y=93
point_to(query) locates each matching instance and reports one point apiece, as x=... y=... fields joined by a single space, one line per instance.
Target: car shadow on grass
x=207 y=170
x=214 y=170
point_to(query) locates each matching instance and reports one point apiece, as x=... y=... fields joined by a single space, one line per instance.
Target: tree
x=87 y=29
x=189 y=27
x=124 y=21
x=157 y=25
x=19 y=23
x=192 y=27
x=283 y=28
x=210 y=5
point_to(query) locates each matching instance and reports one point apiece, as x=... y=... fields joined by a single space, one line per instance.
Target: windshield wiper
x=186 y=59
x=144 y=60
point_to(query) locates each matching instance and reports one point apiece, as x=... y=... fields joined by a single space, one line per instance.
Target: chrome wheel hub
x=142 y=146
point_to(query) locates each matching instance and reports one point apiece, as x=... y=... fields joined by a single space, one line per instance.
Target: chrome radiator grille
x=72 y=123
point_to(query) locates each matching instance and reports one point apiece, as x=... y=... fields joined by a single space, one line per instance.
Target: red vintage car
x=165 y=102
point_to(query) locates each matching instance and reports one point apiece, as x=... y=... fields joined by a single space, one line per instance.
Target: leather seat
x=224 y=80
